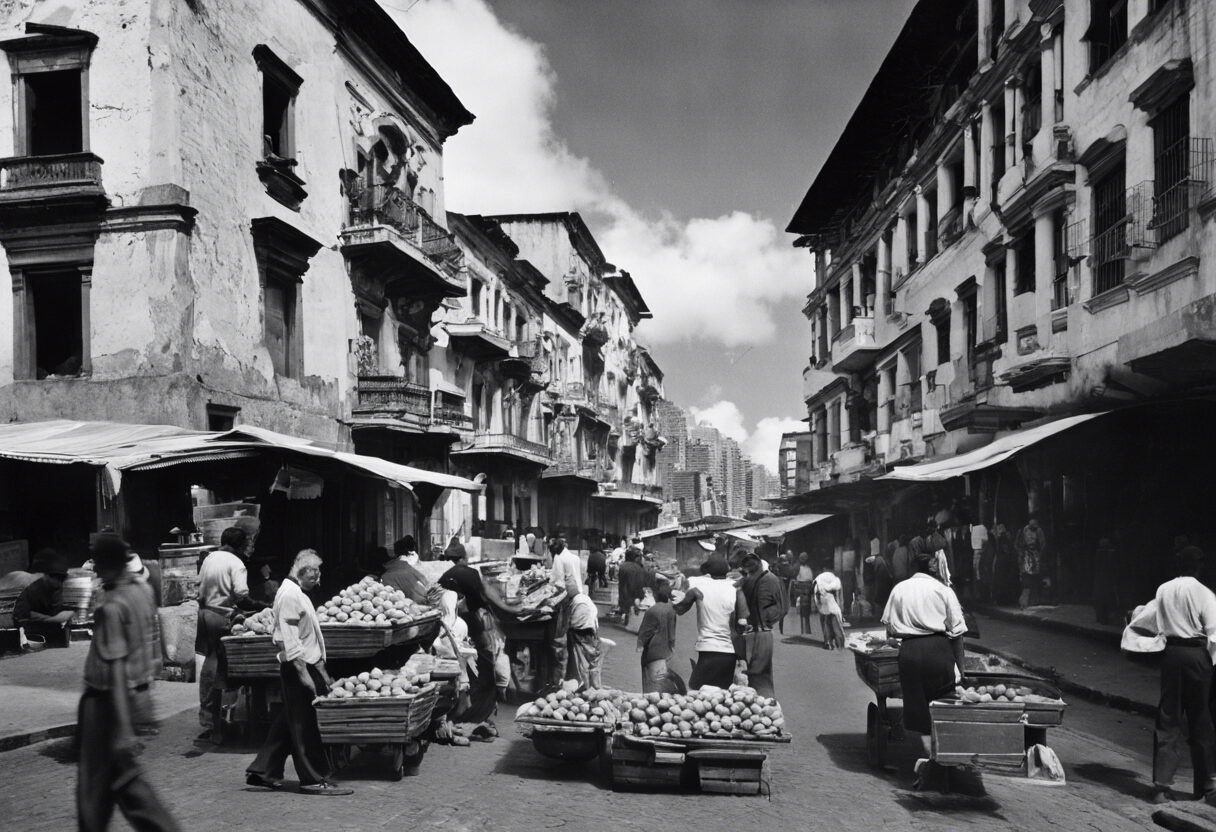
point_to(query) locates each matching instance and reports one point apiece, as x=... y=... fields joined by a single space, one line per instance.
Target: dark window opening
x=53 y=113
x=1032 y=103
x=1107 y=30
x=821 y=435
x=889 y=405
x=999 y=131
x=942 y=326
x=915 y=397
x=970 y=326
x=1110 y=228
x=996 y=28
x=930 y=225
x=1024 y=277
x=957 y=174
x=276 y=118
x=520 y=329
x=1060 y=296
x=913 y=243
x=475 y=297
x=221 y=417
x=280 y=315
x=1000 y=289
x=58 y=347
x=1172 y=169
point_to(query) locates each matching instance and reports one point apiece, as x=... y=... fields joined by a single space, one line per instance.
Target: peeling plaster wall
x=175 y=100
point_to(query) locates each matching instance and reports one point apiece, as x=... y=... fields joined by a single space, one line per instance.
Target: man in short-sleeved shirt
x=119 y=670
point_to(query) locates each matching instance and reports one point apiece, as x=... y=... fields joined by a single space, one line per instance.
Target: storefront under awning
x=995 y=452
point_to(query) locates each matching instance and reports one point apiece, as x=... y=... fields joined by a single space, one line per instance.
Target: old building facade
x=1014 y=226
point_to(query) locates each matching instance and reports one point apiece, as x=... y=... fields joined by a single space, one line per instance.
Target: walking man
x=118 y=675
x=302 y=677
x=766 y=606
x=1186 y=612
x=567 y=575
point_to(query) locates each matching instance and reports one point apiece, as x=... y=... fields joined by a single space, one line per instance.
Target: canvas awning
x=121 y=447
x=998 y=450
x=781 y=526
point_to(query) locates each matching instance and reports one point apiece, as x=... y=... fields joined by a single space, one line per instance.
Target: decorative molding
x=140 y=218
x=1172 y=79
x=282 y=251
x=1059 y=320
x=1106 y=300
x=1184 y=268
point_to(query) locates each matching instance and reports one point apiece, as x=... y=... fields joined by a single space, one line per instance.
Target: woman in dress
x=828 y=591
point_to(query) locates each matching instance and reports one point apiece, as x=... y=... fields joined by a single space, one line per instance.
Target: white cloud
x=761 y=443
x=715 y=279
x=725 y=416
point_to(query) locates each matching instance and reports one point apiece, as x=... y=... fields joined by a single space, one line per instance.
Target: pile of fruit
x=976 y=694
x=259 y=624
x=593 y=706
x=376 y=684
x=370 y=603
x=739 y=713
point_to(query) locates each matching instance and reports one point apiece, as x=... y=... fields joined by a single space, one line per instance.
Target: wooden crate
x=645 y=765
x=730 y=772
x=880 y=671
x=251 y=657
x=999 y=744
x=376 y=721
x=343 y=641
x=950 y=710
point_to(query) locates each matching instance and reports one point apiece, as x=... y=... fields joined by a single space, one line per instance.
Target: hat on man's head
x=49 y=562
x=110 y=549
x=455 y=552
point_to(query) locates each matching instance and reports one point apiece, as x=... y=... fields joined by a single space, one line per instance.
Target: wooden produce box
x=879 y=670
x=251 y=657
x=986 y=735
x=723 y=771
x=347 y=642
x=645 y=765
x=376 y=721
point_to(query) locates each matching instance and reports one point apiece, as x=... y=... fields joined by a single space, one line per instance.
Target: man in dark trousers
x=302 y=676
x=631 y=583
x=766 y=606
x=597 y=569
x=1186 y=613
x=465 y=581
x=118 y=675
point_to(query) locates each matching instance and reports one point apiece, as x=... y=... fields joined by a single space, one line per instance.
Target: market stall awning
x=998 y=450
x=781 y=526
x=121 y=447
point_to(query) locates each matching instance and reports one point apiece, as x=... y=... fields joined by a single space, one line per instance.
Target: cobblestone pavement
x=821 y=781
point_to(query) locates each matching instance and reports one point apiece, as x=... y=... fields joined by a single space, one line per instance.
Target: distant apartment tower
x=673 y=426
x=689 y=489
x=760 y=486
x=794 y=462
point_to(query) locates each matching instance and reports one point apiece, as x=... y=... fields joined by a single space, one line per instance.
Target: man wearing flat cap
x=39 y=609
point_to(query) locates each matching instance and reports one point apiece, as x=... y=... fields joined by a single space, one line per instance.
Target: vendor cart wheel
x=397 y=769
x=876 y=737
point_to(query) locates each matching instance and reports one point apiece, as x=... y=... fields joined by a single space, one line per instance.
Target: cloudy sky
x=686 y=132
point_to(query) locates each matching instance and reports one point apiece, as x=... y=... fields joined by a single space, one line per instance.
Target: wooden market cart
x=715 y=765
x=991 y=734
x=395 y=724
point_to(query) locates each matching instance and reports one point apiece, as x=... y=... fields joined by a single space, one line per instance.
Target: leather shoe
x=257 y=781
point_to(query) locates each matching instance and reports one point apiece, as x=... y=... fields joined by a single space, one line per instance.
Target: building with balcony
x=794 y=463
x=267 y=250
x=605 y=386
x=1014 y=226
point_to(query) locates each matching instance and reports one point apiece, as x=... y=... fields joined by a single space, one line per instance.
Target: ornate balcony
x=508 y=444
x=64 y=182
x=393 y=235
x=528 y=361
x=451 y=417
x=393 y=401
x=564 y=465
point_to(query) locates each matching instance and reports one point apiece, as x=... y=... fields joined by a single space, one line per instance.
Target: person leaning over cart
x=926 y=616
x=303 y=677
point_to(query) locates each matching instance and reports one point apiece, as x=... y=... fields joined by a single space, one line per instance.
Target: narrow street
x=821 y=780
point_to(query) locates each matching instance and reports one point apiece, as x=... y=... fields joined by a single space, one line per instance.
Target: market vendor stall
x=522 y=603
x=996 y=713
x=715 y=740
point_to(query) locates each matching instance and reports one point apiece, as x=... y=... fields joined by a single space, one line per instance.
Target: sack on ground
x=1043 y=764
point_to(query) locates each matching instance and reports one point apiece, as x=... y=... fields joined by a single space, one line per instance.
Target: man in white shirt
x=223 y=594
x=1186 y=613
x=303 y=677
x=979 y=539
x=567 y=574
